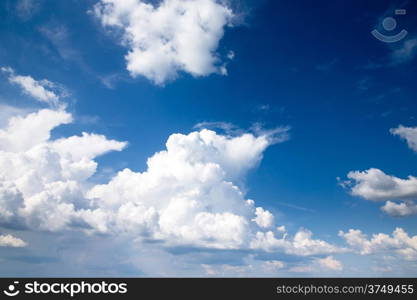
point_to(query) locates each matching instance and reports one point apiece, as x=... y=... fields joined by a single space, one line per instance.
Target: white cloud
x=375 y=185
x=42 y=90
x=409 y=134
x=23 y=133
x=41 y=180
x=318 y=266
x=400 y=243
x=302 y=269
x=187 y=192
x=87 y=146
x=329 y=263
x=301 y=244
x=185 y=197
x=404 y=209
x=168 y=37
x=7 y=111
x=282 y=229
x=263 y=218
x=274 y=264
x=188 y=195
x=227 y=270
x=11 y=241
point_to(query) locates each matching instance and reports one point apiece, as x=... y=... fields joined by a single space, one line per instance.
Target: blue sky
x=316 y=70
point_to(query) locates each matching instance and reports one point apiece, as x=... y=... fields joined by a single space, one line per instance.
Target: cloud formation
x=41 y=179
x=374 y=185
x=406 y=53
x=330 y=263
x=302 y=244
x=400 y=243
x=187 y=198
x=409 y=134
x=168 y=37
x=11 y=241
x=403 y=209
x=188 y=195
x=42 y=90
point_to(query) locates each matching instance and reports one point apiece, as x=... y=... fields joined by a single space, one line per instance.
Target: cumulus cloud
x=263 y=218
x=41 y=179
x=86 y=147
x=400 y=243
x=23 y=133
x=187 y=196
x=302 y=244
x=375 y=185
x=11 y=241
x=8 y=111
x=409 y=134
x=252 y=267
x=330 y=263
x=42 y=90
x=168 y=37
x=404 y=209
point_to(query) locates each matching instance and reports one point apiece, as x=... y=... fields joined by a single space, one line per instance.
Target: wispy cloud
x=58 y=35
x=229 y=128
x=363 y=84
x=406 y=53
x=25 y=9
x=42 y=90
x=274 y=135
x=327 y=65
x=297 y=207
